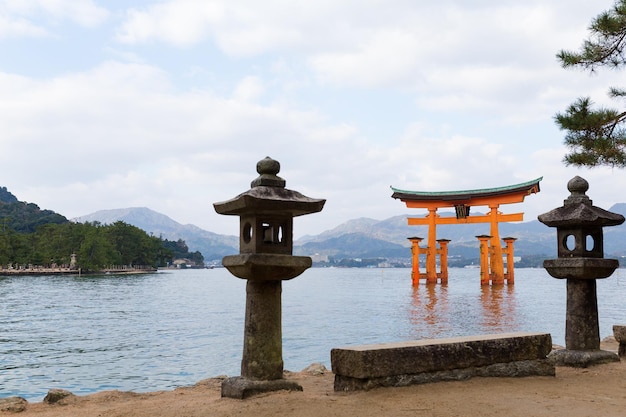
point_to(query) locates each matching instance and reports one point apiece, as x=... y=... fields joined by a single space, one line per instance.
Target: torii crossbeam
x=462 y=201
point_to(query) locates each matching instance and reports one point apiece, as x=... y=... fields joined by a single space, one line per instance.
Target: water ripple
x=160 y=331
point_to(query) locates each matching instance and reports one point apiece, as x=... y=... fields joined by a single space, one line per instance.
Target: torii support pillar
x=510 y=260
x=484 y=259
x=495 y=262
x=415 y=259
x=433 y=276
x=431 y=253
x=443 y=260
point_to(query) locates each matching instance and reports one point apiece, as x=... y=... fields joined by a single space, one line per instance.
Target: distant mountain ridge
x=6 y=196
x=364 y=237
x=534 y=238
x=24 y=217
x=211 y=245
x=357 y=238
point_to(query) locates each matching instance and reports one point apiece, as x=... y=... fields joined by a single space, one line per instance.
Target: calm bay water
x=169 y=329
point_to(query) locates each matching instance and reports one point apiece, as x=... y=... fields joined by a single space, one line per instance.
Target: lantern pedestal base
x=580 y=268
x=266 y=266
x=242 y=388
x=581 y=358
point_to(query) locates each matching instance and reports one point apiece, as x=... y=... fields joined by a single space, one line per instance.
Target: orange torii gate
x=492 y=265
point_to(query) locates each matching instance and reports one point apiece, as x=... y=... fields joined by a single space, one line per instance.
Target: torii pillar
x=485 y=275
x=415 y=259
x=431 y=255
x=443 y=260
x=496 y=264
x=510 y=260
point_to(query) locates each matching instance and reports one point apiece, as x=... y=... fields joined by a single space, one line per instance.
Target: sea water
x=159 y=331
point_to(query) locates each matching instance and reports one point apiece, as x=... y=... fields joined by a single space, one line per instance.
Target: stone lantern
x=581 y=261
x=266 y=213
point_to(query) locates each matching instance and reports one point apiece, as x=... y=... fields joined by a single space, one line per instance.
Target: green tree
x=96 y=251
x=597 y=136
x=179 y=249
x=134 y=246
x=97 y=246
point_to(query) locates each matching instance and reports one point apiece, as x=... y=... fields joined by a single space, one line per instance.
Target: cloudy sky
x=169 y=104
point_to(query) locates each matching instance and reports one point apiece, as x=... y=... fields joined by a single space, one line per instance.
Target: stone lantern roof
x=578 y=210
x=268 y=194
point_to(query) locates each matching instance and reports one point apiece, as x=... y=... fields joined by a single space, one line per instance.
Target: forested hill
x=43 y=238
x=23 y=217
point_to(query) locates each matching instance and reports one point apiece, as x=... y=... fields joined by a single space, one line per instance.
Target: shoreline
x=68 y=271
x=597 y=390
x=572 y=392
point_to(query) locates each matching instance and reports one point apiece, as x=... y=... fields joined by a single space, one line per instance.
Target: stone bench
x=619 y=332
x=422 y=361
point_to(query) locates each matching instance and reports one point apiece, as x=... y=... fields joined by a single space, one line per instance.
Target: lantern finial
x=267 y=169
x=578 y=186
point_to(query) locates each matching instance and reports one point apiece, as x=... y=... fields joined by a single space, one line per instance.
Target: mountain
x=615 y=236
x=24 y=217
x=352 y=245
x=366 y=238
x=389 y=236
x=212 y=245
x=6 y=196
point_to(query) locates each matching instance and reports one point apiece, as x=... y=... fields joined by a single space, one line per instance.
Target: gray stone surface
x=436 y=355
x=242 y=388
x=13 y=404
x=262 y=341
x=580 y=268
x=619 y=332
x=582 y=328
x=539 y=367
x=265 y=258
x=55 y=395
x=266 y=267
x=580 y=245
x=316 y=368
x=581 y=358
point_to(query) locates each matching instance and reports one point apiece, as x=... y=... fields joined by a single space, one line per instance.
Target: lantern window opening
x=268 y=233
x=273 y=233
x=247 y=232
x=569 y=242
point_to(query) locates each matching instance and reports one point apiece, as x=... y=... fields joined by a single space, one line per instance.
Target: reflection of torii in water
x=462 y=201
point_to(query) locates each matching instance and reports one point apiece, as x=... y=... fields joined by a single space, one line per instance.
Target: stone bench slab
x=619 y=332
x=429 y=360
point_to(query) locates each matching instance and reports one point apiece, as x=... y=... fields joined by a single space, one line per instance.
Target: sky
x=170 y=104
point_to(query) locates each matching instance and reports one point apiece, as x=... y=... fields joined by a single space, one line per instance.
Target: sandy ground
x=594 y=391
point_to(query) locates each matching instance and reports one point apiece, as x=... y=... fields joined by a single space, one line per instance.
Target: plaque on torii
x=462 y=201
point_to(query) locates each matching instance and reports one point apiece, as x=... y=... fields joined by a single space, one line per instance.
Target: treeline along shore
x=41 y=270
x=35 y=242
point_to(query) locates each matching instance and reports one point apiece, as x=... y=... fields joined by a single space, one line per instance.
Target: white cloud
x=441 y=52
x=84 y=12
x=242 y=28
x=453 y=56
x=11 y=26
x=32 y=18
x=180 y=22
x=249 y=89
x=121 y=128
x=389 y=57
x=351 y=97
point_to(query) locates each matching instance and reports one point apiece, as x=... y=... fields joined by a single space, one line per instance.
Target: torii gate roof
x=507 y=194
